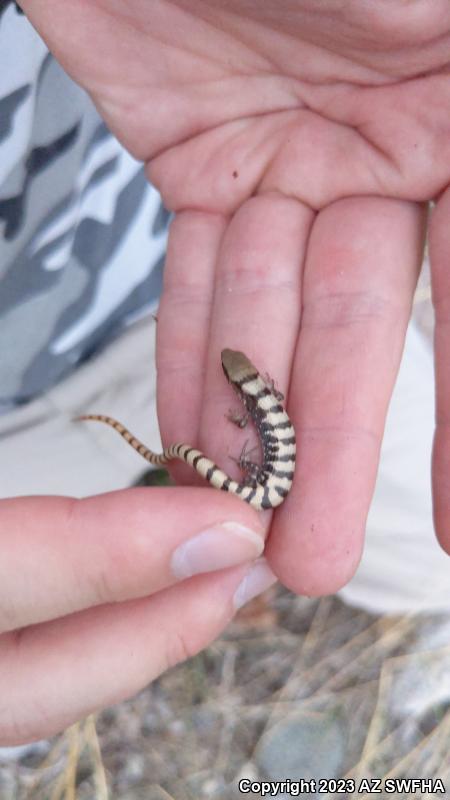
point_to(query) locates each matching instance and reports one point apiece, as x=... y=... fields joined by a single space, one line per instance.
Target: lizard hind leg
x=250 y=468
x=238 y=417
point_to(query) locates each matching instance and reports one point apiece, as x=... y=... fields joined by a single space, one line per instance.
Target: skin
x=298 y=144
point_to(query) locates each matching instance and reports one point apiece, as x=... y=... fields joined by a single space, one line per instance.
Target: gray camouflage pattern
x=82 y=232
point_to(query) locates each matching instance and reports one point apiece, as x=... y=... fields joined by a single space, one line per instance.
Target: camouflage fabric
x=82 y=233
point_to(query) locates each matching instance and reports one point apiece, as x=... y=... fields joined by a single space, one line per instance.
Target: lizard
x=263 y=486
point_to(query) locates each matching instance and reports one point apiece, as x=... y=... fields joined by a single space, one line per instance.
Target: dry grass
x=206 y=723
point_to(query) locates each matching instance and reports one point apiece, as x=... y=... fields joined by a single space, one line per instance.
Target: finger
x=73 y=666
x=256 y=309
x=61 y=555
x=439 y=244
x=183 y=327
x=361 y=269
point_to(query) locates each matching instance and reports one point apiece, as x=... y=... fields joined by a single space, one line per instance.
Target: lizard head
x=237 y=366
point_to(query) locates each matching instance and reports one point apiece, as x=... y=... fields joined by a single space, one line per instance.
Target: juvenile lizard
x=263 y=486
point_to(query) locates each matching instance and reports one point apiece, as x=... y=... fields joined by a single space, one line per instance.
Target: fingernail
x=221 y=546
x=256 y=580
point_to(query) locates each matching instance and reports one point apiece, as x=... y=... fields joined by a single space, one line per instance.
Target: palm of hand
x=322 y=117
x=251 y=126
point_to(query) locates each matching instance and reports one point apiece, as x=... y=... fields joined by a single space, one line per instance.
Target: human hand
x=298 y=145
x=95 y=598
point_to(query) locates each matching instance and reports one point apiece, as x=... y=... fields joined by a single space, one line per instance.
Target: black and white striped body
x=264 y=486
